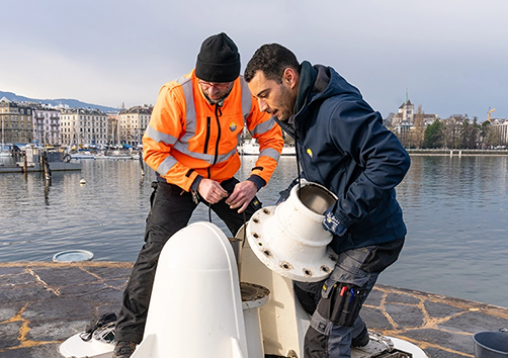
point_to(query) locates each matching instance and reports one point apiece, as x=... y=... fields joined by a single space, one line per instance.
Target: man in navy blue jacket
x=342 y=145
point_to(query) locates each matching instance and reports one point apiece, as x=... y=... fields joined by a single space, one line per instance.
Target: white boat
x=114 y=155
x=57 y=161
x=288 y=150
x=251 y=147
x=82 y=155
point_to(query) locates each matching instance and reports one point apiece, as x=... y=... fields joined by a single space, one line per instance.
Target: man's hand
x=242 y=195
x=211 y=191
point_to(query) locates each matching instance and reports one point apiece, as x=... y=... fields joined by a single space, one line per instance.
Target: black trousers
x=171 y=209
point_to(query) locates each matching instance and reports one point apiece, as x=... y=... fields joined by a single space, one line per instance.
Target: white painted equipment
x=76 y=347
x=253 y=298
x=199 y=307
x=283 y=320
x=196 y=298
x=290 y=239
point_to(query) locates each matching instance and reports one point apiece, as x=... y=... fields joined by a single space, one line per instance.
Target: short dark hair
x=272 y=60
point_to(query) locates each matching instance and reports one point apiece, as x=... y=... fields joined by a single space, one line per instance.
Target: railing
x=457 y=152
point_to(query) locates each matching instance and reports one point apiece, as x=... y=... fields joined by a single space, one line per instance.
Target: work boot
x=362 y=339
x=124 y=349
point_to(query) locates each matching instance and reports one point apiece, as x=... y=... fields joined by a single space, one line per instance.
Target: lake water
x=456 y=210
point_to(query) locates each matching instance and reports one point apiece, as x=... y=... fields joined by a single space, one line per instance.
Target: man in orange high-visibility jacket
x=191 y=142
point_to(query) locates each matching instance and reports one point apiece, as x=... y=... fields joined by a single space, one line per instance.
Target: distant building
x=405 y=118
x=501 y=126
x=403 y=130
x=405 y=113
x=133 y=123
x=84 y=127
x=113 y=130
x=46 y=125
x=16 y=122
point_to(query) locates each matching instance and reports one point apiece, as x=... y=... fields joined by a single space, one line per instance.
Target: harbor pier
x=44 y=303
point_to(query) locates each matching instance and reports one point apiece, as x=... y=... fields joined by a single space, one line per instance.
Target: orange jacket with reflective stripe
x=187 y=136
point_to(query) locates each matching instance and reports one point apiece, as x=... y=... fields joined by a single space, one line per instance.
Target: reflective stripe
x=224 y=157
x=264 y=127
x=206 y=157
x=246 y=98
x=190 y=118
x=183 y=148
x=270 y=152
x=182 y=145
x=166 y=165
x=159 y=136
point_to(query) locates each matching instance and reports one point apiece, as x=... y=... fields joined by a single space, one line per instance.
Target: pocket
x=358 y=300
x=346 y=288
x=341 y=303
x=326 y=303
x=353 y=299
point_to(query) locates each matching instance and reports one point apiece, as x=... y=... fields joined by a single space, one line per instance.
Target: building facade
x=16 y=122
x=406 y=118
x=113 y=130
x=501 y=127
x=46 y=126
x=405 y=113
x=84 y=128
x=132 y=124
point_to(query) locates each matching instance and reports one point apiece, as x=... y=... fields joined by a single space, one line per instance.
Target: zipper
x=217 y=111
x=208 y=120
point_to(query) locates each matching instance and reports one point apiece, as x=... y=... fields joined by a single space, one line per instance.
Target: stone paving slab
x=44 y=303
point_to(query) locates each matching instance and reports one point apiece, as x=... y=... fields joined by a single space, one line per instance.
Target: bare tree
x=418 y=132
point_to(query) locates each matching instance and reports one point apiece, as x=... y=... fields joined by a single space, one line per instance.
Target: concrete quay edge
x=44 y=303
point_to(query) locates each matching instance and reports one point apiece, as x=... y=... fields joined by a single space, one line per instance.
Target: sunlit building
x=16 y=122
x=133 y=123
x=501 y=127
x=84 y=127
x=46 y=125
x=113 y=130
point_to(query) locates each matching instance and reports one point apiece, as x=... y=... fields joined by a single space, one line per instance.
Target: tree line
x=456 y=132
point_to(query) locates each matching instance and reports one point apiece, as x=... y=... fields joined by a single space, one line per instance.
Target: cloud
x=450 y=55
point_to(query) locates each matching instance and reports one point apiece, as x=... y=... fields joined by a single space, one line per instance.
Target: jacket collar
x=314 y=80
x=307 y=77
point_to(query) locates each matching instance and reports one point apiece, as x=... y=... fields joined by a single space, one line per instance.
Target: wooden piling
x=25 y=164
x=45 y=165
x=140 y=152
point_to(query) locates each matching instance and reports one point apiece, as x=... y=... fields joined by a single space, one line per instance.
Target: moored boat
x=251 y=147
x=33 y=161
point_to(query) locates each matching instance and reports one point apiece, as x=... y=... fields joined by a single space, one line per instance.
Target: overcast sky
x=451 y=56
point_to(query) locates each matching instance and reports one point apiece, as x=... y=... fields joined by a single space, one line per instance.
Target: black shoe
x=362 y=339
x=124 y=349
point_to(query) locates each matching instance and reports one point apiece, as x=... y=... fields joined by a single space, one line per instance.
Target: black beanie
x=218 y=60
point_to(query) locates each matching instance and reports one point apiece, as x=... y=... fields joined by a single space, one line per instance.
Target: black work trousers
x=171 y=209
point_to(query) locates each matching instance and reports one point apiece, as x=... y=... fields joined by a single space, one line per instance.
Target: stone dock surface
x=44 y=303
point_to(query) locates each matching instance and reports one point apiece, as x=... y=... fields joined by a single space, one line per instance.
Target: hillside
x=72 y=103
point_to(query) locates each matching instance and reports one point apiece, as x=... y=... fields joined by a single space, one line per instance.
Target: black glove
x=285 y=193
x=332 y=224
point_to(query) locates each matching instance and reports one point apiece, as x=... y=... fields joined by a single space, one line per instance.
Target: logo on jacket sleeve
x=309 y=152
x=232 y=126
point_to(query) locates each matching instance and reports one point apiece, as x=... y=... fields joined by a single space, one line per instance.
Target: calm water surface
x=456 y=210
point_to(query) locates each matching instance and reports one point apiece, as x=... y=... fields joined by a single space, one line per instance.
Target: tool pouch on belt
x=341 y=303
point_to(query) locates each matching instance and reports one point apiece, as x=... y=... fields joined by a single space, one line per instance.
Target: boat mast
x=2 y=133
